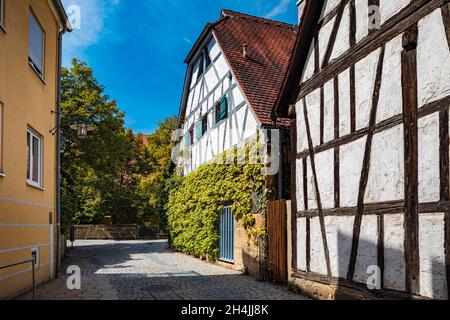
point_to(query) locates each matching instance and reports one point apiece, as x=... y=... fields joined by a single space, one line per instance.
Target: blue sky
x=137 y=47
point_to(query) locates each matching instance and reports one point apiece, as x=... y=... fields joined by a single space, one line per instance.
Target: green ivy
x=194 y=206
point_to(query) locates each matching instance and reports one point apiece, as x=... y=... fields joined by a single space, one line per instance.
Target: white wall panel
x=339 y=237
x=301 y=244
x=367 y=249
x=344 y=103
x=389 y=8
x=428 y=132
x=299 y=183
x=386 y=175
x=362 y=12
x=433 y=59
x=317 y=262
x=313 y=106
x=328 y=133
x=351 y=158
x=394 y=252
x=365 y=71
x=432 y=258
x=391 y=101
x=342 y=43
x=325 y=177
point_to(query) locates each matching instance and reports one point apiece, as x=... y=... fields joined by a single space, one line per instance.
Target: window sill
x=2 y=27
x=2 y=174
x=37 y=73
x=32 y=185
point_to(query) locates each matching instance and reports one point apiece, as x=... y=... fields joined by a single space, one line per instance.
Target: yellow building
x=30 y=43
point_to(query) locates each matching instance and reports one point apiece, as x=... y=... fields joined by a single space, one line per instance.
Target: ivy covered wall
x=194 y=206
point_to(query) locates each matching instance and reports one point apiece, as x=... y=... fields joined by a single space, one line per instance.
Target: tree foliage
x=194 y=206
x=101 y=173
x=158 y=183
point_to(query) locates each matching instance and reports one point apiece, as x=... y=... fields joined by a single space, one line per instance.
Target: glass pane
x=36 y=159
x=204 y=124
x=198 y=130
x=28 y=156
x=35 y=43
x=207 y=59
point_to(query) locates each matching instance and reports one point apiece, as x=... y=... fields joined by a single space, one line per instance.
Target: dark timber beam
x=410 y=113
x=317 y=190
x=365 y=167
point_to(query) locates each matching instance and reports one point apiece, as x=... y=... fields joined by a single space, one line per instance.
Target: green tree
x=101 y=173
x=157 y=185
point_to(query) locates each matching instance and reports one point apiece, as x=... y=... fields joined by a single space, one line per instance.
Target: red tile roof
x=270 y=47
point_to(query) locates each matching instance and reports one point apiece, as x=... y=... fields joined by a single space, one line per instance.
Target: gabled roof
x=307 y=27
x=260 y=74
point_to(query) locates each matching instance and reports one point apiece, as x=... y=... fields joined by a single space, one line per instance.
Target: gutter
x=66 y=28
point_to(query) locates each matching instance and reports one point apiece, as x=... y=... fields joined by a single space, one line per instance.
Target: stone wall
x=246 y=251
x=106 y=232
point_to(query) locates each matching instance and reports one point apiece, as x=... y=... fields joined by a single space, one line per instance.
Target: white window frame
x=30 y=160
x=40 y=73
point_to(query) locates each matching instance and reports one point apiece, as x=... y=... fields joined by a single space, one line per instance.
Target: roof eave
x=308 y=22
x=199 y=42
x=63 y=16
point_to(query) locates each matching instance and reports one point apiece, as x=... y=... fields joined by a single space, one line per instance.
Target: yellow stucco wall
x=27 y=102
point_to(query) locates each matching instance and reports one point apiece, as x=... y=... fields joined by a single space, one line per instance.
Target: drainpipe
x=67 y=28
x=58 y=156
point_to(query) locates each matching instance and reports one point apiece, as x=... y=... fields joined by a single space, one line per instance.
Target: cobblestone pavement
x=148 y=270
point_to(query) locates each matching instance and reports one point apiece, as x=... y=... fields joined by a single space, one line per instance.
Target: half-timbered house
x=368 y=94
x=234 y=74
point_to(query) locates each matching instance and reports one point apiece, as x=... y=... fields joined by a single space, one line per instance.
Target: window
x=207 y=59
x=203 y=63
x=34 y=167
x=2 y=13
x=201 y=67
x=35 y=256
x=187 y=141
x=198 y=130
x=191 y=135
x=36 y=40
x=222 y=110
x=204 y=124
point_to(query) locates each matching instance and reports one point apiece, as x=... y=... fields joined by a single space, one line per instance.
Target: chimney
x=244 y=50
x=301 y=8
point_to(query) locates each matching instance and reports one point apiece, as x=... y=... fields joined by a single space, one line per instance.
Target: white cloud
x=93 y=14
x=280 y=8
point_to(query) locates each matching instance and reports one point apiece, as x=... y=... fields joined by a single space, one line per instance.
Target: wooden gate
x=277 y=230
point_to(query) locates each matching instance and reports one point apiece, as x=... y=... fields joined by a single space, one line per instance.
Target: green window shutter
x=187 y=140
x=223 y=110
x=198 y=130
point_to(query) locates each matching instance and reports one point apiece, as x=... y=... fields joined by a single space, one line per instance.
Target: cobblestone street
x=148 y=270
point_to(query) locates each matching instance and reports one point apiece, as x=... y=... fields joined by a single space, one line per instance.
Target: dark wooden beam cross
x=365 y=167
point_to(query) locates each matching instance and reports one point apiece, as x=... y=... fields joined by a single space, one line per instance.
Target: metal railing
x=32 y=261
